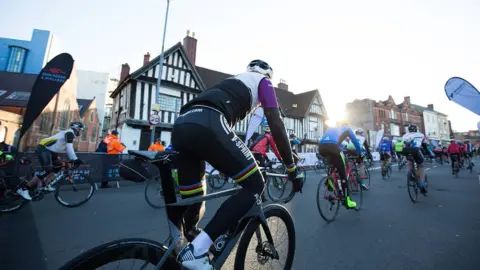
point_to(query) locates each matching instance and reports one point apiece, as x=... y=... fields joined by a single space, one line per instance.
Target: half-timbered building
x=181 y=81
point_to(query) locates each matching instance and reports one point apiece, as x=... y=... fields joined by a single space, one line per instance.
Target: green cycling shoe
x=349 y=203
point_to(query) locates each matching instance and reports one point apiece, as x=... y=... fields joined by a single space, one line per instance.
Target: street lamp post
x=160 y=71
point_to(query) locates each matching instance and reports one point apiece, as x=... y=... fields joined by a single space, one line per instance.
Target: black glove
x=296 y=180
x=77 y=162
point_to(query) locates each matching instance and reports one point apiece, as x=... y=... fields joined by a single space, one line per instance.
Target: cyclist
x=413 y=140
x=330 y=146
x=386 y=151
x=454 y=151
x=47 y=153
x=351 y=151
x=468 y=147
x=260 y=148
x=7 y=152
x=202 y=133
x=398 y=150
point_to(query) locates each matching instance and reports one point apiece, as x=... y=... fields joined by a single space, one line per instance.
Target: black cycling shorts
x=202 y=134
x=333 y=154
x=47 y=158
x=384 y=155
x=415 y=153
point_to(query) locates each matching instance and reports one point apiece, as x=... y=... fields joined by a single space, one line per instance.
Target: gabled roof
x=83 y=105
x=286 y=98
x=155 y=61
x=15 y=88
x=211 y=77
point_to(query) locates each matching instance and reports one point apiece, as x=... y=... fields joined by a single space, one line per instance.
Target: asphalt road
x=441 y=231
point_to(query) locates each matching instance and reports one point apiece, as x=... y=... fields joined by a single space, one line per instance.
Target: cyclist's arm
x=69 y=145
x=268 y=99
x=367 y=147
x=347 y=132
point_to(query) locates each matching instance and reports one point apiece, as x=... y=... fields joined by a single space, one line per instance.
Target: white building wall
x=431 y=125
x=443 y=127
x=130 y=137
x=92 y=84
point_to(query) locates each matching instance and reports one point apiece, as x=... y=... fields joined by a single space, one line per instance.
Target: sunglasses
x=261 y=64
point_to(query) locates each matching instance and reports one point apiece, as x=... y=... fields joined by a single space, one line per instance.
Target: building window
x=92 y=116
x=382 y=113
x=169 y=103
x=394 y=130
x=392 y=114
x=315 y=108
x=93 y=136
x=64 y=115
x=383 y=126
x=85 y=134
x=16 y=59
x=406 y=116
x=44 y=122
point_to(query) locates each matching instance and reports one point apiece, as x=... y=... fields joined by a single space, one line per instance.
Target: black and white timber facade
x=134 y=99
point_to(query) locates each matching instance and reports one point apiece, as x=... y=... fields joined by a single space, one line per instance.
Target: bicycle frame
x=254 y=214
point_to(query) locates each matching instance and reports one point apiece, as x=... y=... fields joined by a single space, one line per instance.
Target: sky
x=346 y=49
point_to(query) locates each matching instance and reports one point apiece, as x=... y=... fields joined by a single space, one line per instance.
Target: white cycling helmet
x=261 y=67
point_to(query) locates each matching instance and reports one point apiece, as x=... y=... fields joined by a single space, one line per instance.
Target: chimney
x=190 y=45
x=125 y=71
x=406 y=100
x=146 y=58
x=430 y=106
x=283 y=85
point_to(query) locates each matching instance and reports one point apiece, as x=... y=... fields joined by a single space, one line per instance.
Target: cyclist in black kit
x=203 y=132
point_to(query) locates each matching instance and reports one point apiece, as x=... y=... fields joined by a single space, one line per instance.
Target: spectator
x=7 y=153
x=114 y=147
x=157 y=146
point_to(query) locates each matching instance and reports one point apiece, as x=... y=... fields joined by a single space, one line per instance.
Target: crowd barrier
x=102 y=167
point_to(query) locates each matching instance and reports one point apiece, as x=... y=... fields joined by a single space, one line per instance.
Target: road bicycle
x=68 y=183
x=332 y=195
x=276 y=180
x=413 y=182
x=163 y=255
x=456 y=166
x=217 y=180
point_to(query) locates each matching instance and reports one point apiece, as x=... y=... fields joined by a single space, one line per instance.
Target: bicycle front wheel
x=275 y=187
x=154 y=193
x=145 y=251
x=254 y=240
x=216 y=181
x=74 y=190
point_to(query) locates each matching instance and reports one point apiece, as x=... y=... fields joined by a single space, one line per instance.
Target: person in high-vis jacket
x=114 y=146
x=157 y=146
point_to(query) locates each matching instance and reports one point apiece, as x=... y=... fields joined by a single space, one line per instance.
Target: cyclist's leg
x=204 y=133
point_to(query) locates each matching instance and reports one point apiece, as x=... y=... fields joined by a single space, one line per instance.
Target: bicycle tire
x=19 y=201
x=211 y=178
x=269 y=191
x=292 y=192
x=271 y=210
x=73 y=205
x=355 y=183
x=149 y=200
x=129 y=248
x=412 y=182
x=320 y=185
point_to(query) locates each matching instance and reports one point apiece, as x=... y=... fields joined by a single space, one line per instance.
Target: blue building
x=26 y=56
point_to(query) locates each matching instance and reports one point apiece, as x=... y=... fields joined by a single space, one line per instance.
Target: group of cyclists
x=203 y=133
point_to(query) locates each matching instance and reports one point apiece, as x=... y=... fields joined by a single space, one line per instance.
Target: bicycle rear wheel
x=327 y=198
x=147 y=251
x=356 y=191
x=10 y=201
x=262 y=248
x=74 y=190
x=154 y=193
x=412 y=187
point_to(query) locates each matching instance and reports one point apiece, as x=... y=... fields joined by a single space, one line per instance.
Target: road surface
x=441 y=231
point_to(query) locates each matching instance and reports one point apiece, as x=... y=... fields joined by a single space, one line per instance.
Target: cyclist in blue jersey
x=386 y=151
x=330 y=146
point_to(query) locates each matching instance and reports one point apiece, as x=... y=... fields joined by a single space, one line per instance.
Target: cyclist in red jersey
x=454 y=150
x=261 y=147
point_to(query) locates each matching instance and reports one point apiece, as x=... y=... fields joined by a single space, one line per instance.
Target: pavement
x=441 y=231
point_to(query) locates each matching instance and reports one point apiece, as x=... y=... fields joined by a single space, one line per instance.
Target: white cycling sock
x=201 y=244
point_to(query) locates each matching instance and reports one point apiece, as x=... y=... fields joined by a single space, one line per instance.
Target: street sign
x=154 y=119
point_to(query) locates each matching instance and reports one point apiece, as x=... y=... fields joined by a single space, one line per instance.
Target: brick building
x=89 y=116
x=15 y=89
x=392 y=117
